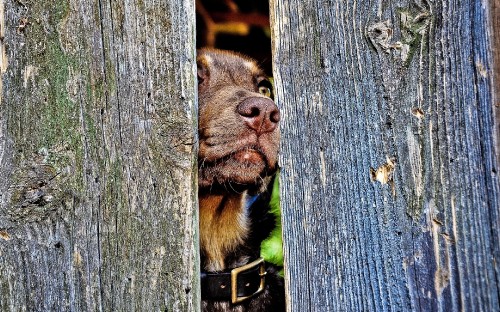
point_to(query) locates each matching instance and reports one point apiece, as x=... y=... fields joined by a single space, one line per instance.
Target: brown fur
x=223 y=226
x=226 y=80
x=237 y=156
x=222 y=131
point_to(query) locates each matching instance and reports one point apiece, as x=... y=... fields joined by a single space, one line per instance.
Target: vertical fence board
x=495 y=35
x=97 y=156
x=389 y=176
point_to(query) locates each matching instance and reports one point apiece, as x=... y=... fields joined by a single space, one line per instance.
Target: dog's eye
x=266 y=91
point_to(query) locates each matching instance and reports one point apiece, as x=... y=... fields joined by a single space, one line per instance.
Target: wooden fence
x=390 y=189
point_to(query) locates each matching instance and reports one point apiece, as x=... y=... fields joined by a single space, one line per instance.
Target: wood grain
x=494 y=36
x=98 y=190
x=361 y=86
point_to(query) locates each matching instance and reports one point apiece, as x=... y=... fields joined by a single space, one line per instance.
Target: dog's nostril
x=249 y=109
x=275 y=116
x=255 y=111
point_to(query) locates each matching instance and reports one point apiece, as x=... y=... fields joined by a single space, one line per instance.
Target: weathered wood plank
x=406 y=87
x=98 y=192
x=494 y=34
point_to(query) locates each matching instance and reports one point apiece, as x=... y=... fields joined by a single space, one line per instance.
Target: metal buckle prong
x=234 y=279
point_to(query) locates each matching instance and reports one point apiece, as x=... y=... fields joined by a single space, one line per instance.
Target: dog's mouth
x=249 y=156
x=243 y=159
x=246 y=166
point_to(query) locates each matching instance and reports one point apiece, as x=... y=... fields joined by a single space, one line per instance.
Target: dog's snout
x=260 y=114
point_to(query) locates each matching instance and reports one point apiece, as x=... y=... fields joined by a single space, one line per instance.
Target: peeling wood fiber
x=98 y=196
x=357 y=82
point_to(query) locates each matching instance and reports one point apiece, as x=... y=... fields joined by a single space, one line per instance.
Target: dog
x=237 y=159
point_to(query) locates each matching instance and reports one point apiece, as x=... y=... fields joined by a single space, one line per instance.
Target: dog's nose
x=260 y=114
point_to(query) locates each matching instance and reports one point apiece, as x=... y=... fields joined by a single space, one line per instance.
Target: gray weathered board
x=97 y=126
x=404 y=86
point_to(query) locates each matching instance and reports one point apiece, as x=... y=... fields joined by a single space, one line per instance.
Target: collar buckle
x=234 y=279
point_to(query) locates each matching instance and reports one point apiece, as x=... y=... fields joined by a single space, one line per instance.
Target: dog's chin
x=243 y=169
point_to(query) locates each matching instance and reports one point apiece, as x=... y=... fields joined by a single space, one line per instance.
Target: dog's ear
x=202 y=63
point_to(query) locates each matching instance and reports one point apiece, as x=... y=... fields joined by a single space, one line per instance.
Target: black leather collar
x=250 y=280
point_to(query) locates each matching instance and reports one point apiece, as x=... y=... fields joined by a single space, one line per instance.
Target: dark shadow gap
x=236 y=25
